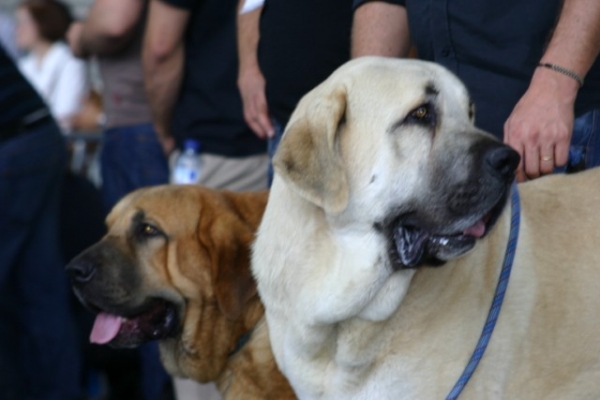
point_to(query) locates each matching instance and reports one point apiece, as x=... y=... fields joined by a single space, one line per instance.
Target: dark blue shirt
x=209 y=107
x=493 y=46
x=17 y=97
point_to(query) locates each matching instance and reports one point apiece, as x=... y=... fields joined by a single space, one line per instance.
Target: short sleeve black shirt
x=209 y=106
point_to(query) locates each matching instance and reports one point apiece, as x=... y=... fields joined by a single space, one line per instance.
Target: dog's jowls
x=383 y=238
x=174 y=267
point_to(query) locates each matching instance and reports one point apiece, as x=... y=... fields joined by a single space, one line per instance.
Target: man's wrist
x=547 y=79
x=249 y=73
x=248 y=64
x=561 y=70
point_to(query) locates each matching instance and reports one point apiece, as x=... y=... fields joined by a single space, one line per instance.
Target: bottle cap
x=191 y=144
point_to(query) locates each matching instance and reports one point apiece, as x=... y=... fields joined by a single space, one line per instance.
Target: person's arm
x=380 y=29
x=163 y=61
x=251 y=81
x=541 y=124
x=109 y=27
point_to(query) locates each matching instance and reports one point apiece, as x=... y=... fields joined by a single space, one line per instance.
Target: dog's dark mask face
x=107 y=278
x=466 y=194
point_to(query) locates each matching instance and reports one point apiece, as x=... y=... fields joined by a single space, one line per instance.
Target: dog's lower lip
x=411 y=245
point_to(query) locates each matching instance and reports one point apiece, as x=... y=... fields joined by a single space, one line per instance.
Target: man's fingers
x=547 y=160
x=520 y=176
x=265 y=122
x=532 y=162
x=257 y=117
x=251 y=118
x=520 y=171
x=257 y=128
x=561 y=152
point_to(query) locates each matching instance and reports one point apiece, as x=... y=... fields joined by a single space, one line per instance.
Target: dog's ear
x=229 y=239
x=308 y=156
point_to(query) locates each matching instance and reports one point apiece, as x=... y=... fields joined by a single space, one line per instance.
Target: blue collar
x=242 y=340
x=490 y=323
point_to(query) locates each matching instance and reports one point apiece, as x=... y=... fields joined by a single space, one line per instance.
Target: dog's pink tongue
x=477 y=230
x=106 y=327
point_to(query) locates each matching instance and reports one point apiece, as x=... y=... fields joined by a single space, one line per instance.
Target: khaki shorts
x=237 y=174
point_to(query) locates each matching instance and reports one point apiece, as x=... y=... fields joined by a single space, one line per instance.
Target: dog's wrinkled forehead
x=399 y=86
x=120 y=217
x=152 y=202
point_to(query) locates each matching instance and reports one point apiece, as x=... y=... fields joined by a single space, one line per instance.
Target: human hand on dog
x=541 y=124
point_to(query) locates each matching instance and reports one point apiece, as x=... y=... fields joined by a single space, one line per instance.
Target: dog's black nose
x=80 y=271
x=503 y=160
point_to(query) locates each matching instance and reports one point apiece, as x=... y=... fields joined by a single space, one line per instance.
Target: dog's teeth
x=410 y=245
x=443 y=241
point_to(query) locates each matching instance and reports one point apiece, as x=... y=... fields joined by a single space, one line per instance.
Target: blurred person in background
x=131 y=155
x=190 y=68
x=286 y=48
x=59 y=77
x=39 y=357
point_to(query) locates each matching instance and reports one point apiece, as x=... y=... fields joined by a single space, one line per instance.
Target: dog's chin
x=156 y=319
x=412 y=246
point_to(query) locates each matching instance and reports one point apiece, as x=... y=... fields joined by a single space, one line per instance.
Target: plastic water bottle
x=188 y=165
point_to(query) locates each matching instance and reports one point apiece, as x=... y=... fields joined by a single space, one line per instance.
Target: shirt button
x=445 y=52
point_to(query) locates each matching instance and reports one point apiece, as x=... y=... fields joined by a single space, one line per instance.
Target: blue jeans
x=584 y=152
x=39 y=352
x=272 y=145
x=131 y=158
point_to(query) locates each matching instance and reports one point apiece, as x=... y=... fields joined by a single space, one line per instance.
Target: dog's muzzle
x=472 y=207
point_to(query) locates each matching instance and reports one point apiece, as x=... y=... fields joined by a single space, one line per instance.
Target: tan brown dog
x=174 y=267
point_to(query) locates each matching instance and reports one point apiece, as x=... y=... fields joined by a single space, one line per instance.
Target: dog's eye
x=423 y=115
x=420 y=112
x=148 y=230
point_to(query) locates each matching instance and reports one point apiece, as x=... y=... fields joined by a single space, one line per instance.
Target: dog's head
x=392 y=144
x=174 y=266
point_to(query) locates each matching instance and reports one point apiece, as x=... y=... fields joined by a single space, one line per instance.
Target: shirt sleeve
x=358 y=3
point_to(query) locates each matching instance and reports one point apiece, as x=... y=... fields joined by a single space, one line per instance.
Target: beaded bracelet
x=563 y=71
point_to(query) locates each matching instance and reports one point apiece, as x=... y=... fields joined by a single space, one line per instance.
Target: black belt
x=28 y=122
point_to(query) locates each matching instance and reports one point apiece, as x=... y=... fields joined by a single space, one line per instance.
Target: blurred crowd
x=141 y=77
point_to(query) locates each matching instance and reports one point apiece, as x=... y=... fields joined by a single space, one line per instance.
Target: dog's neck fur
x=211 y=351
x=189 y=355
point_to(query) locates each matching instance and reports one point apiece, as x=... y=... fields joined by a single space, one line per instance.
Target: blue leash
x=490 y=323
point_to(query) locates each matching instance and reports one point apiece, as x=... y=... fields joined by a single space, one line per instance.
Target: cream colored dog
x=381 y=175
